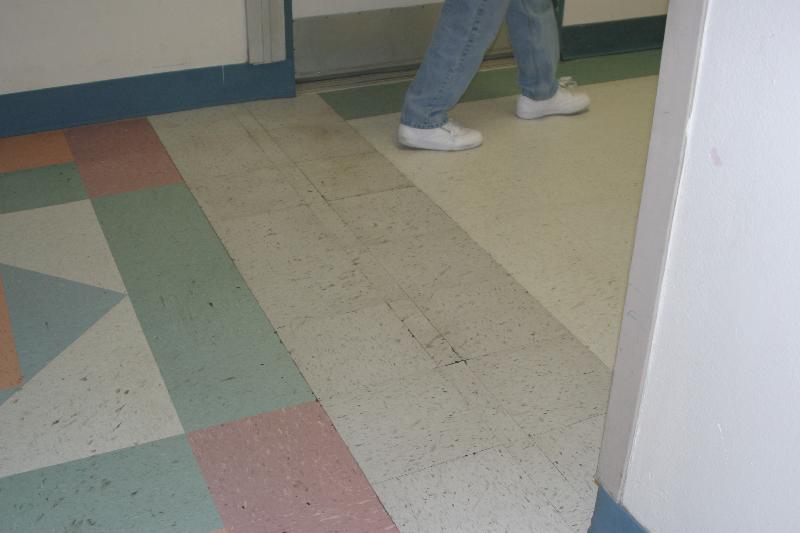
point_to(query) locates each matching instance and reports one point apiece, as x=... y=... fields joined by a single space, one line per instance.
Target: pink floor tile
x=120 y=157
x=287 y=471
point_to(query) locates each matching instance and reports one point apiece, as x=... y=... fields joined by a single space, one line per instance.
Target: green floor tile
x=374 y=100
x=219 y=355
x=155 y=487
x=40 y=187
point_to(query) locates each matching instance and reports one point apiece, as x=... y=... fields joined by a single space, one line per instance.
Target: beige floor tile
x=574 y=451
x=476 y=494
x=391 y=215
x=436 y=261
x=64 y=240
x=302 y=110
x=574 y=506
x=412 y=423
x=343 y=353
x=245 y=194
x=353 y=175
x=422 y=330
x=548 y=385
x=320 y=141
x=583 y=173
x=489 y=317
x=215 y=144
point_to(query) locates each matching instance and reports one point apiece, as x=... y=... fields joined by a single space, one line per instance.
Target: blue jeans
x=465 y=30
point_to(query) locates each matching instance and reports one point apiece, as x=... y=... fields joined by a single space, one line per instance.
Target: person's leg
x=465 y=30
x=533 y=30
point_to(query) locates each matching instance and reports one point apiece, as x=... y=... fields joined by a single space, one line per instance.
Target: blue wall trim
x=74 y=105
x=615 y=37
x=611 y=517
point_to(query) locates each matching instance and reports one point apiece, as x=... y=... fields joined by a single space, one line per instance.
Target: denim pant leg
x=533 y=30
x=465 y=30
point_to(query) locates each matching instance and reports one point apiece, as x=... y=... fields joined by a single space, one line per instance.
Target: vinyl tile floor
x=268 y=317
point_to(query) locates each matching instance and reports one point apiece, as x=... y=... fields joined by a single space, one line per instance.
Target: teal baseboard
x=102 y=101
x=619 y=36
x=610 y=517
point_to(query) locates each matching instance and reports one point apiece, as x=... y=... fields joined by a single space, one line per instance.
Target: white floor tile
x=415 y=422
x=489 y=317
x=343 y=353
x=548 y=385
x=353 y=175
x=305 y=109
x=391 y=215
x=103 y=393
x=319 y=141
x=480 y=493
x=64 y=240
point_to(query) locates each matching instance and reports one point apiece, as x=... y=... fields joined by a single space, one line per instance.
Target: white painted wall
x=47 y=43
x=717 y=439
x=588 y=11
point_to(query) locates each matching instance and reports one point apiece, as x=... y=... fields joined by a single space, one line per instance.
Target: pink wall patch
x=288 y=470
x=120 y=157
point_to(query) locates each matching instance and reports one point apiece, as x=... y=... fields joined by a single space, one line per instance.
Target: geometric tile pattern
x=287 y=470
x=39 y=187
x=156 y=394
x=48 y=314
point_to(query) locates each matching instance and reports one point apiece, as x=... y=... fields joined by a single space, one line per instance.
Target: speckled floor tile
x=526 y=169
x=219 y=355
x=435 y=261
x=120 y=157
x=547 y=385
x=33 y=151
x=574 y=450
x=319 y=141
x=475 y=494
x=156 y=487
x=343 y=353
x=287 y=471
x=422 y=330
x=40 y=187
x=207 y=143
x=61 y=240
x=573 y=506
x=415 y=422
x=297 y=270
x=353 y=175
x=244 y=194
x=300 y=111
x=489 y=317
x=390 y=215
x=103 y=393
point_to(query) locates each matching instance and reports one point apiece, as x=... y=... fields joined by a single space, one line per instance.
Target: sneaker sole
x=552 y=114
x=438 y=147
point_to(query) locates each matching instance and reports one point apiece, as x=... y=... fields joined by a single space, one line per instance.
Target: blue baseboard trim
x=611 y=517
x=102 y=101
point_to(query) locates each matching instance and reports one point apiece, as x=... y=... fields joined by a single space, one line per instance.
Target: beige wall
x=48 y=43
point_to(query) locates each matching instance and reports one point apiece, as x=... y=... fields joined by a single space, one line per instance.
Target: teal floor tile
x=155 y=487
x=40 y=187
x=219 y=355
x=374 y=100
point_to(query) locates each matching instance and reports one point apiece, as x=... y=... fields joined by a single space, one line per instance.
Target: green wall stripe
x=618 y=36
x=220 y=357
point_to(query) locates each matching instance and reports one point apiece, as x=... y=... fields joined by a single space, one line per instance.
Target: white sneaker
x=449 y=138
x=564 y=102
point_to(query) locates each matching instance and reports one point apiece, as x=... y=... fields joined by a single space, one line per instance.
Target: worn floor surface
x=267 y=317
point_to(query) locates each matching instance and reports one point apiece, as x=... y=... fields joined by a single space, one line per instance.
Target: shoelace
x=452 y=127
x=567 y=82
